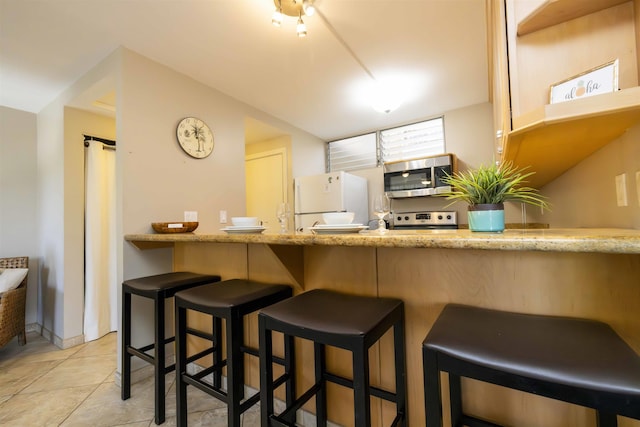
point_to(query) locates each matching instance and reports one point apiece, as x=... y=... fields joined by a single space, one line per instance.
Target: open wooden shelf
x=553 y=12
x=555 y=137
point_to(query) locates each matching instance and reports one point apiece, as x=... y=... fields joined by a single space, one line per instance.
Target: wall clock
x=195 y=137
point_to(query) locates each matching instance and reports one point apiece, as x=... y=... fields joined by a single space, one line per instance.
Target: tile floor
x=41 y=385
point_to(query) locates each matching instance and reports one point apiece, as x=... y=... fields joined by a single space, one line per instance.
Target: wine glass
x=282 y=213
x=381 y=207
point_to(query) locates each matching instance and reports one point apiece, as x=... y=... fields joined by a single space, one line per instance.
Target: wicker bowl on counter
x=174 y=227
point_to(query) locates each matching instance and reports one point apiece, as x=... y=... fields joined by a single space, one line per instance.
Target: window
x=422 y=139
x=358 y=152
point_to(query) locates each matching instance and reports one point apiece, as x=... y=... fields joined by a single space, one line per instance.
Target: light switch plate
x=621 y=189
x=190 y=216
x=223 y=217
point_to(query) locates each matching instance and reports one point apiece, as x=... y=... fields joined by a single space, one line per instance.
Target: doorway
x=267 y=180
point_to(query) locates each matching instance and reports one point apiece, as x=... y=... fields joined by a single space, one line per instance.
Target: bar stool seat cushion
x=332 y=313
x=574 y=352
x=230 y=293
x=174 y=281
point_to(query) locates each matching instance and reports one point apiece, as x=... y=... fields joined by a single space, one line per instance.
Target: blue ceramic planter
x=486 y=217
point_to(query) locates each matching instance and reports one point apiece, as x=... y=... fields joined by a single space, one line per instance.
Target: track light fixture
x=276 y=18
x=296 y=9
x=301 y=28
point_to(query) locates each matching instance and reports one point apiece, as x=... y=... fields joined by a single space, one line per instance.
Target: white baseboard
x=33 y=327
x=59 y=342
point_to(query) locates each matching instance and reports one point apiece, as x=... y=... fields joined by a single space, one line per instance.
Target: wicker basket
x=12 y=305
x=174 y=227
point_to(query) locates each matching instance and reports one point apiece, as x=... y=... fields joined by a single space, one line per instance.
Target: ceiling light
x=385 y=98
x=293 y=8
x=276 y=19
x=301 y=28
x=308 y=7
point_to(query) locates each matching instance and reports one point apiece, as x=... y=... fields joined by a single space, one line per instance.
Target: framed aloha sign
x=602 y=79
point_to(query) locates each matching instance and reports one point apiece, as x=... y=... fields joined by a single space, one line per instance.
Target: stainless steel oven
x=418 y=177
x=425 y=220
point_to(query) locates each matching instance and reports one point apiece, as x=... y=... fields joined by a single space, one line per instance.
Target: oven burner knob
x=399 y=218
x=406 y=218
x=448 y=216
x=439 y=216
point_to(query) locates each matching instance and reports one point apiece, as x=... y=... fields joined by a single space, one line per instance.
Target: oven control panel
x=432 y=219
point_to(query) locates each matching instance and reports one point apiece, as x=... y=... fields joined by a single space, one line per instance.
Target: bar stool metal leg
x=181 y=360
x=235 y=369
x=159 y=360
x=321 y=394
x=265 y=347
x=217 y=353
x=455 y=396
x=400 y=364
x=290 y=370
x=361 y=386
x=125 y=386
x=433 y=399
x=606 y=419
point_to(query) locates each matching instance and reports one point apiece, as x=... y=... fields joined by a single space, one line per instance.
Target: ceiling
x=435 y=49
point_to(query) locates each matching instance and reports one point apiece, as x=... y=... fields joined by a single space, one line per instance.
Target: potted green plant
x=486 y=189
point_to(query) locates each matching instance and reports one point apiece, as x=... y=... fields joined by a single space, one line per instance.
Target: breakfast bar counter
x=589 y=273
x=604 y=240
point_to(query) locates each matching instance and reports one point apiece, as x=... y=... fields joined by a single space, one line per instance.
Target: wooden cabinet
x=549 y=41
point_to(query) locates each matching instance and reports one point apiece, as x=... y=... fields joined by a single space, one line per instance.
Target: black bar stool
x=350 y=322
x=230 y=300
x=158 y=288
x=580 y=361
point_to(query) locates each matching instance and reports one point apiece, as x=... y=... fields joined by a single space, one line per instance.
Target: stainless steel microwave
x=418 y=177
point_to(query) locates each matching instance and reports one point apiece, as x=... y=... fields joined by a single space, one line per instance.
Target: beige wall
x=585 y=195
x=18 y=203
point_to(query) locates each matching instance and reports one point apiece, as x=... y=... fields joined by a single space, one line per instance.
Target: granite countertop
x=603 y=240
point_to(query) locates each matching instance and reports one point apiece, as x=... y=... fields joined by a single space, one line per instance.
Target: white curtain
x=101 y=291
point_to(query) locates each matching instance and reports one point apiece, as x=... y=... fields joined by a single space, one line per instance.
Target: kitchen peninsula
x=591 y=273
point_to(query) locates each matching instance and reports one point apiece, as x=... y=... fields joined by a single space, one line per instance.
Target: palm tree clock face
x=195 y=137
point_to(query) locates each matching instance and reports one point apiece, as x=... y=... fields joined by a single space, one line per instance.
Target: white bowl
x=337 y=218
x=244 y=221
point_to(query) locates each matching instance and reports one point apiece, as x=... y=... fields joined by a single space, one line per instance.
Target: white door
x=266 y=181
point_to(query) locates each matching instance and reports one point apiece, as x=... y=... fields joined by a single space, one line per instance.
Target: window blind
x=358 y=152
x=412 y=141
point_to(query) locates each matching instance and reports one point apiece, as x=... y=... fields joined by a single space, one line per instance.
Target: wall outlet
x=190 y=216
x=621 y=189
x=223 y=217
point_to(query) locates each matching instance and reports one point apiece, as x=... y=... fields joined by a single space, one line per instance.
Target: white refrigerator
x=329 y=192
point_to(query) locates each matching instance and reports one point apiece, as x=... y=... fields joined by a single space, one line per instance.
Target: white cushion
x=11 y=278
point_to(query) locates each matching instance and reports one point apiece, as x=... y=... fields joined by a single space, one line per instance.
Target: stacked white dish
x=244 y=225
x=338 y=223
x=337 y=228
x=244 y=229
